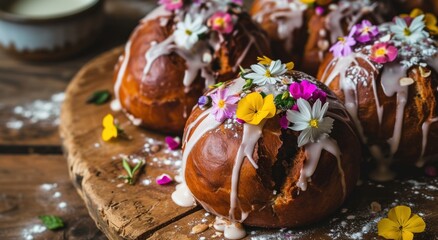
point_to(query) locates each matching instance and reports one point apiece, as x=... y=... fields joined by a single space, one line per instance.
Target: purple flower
x=319 y=94
x=304 y=89
x=343 y=47
x=224 y=105
x=365 y=31
x=284 y=123
x=163 y=179
x=172 y=143
x=204 y=101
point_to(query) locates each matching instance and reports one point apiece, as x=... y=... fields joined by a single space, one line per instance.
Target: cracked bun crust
x=270 y=195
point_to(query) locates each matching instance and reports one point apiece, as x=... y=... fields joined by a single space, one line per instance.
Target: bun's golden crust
x=420 y=107
x=159 y=99
x=270 y=194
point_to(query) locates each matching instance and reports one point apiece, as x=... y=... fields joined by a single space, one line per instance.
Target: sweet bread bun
x=243 y=161
x=174 y=55
x=389 y=86
x=307 y=31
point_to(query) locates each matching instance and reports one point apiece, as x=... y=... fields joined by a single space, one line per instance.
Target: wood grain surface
x=34 y=185
x=147 y=211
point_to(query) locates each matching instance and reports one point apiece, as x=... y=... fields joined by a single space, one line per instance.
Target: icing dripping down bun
x=268 y=196
x=297 y=30
x=394 y=106
x=158 y=83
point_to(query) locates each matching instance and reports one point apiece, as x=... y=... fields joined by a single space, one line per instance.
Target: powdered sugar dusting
x=41 y=112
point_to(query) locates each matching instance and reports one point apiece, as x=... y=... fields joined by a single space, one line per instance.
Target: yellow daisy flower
x=429 y=20
x=400 y=224
x=254 y=108
x=109 y=128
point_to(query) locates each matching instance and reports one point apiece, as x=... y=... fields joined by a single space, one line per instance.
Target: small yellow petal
x=388 y=229
x=108 y=120
x=416 y=12
x=248 y=106
x=269 y=106
x=253 y=108
x=290 y=65
x=400 y=214
x=264 y=60
x=407 y=235
x=109 y=132
x=415 y=224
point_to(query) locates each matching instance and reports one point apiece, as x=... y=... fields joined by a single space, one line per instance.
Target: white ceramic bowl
x=49 y=29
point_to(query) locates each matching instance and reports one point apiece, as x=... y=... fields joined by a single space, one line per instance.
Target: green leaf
x=247 y=85
x=127 y=167
x=52 y=222
x=217 y=85
x=139 y=164
x=284 y=101
x=99 y=97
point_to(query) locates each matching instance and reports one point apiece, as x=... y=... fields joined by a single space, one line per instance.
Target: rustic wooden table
x=33 y=172
x=34 y=176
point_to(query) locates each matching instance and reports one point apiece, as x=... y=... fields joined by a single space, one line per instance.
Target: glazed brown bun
x=401 y=93
x=159 y=99
x=269 y=196
x=306 y=33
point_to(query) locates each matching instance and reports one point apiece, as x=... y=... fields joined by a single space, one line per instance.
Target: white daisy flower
x=267 y=74
x=310 y=121
x=187 y=32
x=412 y=33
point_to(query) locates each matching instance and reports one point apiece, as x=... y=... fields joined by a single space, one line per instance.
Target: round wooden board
x=145 y=210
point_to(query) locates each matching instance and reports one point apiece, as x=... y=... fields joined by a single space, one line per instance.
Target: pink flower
x=307 y=91
x=224 y=105
x=304 y=89
x=343 y=47
x=284 y=123
x=365 y=31
x=171 y=5
x=319 y=11
x=319 y=94
x=383 y=53
x=172 y=143
x=163 y=179
x=221 y=22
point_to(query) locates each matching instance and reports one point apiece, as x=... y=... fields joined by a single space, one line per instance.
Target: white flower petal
x=316 y=110
x=304 y=108
x=304 y=137
x=299 y=126
x=259 y=69
x=296 y=117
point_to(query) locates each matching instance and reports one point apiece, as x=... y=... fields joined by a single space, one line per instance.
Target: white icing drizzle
x=349 y=85
x=182 y=195
x=313 y=154
x=425 y=130
x=234 y=231
x=122 y=69
x=199 y=58
x=391 y=75
x=288 y=15
x=251 y=135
